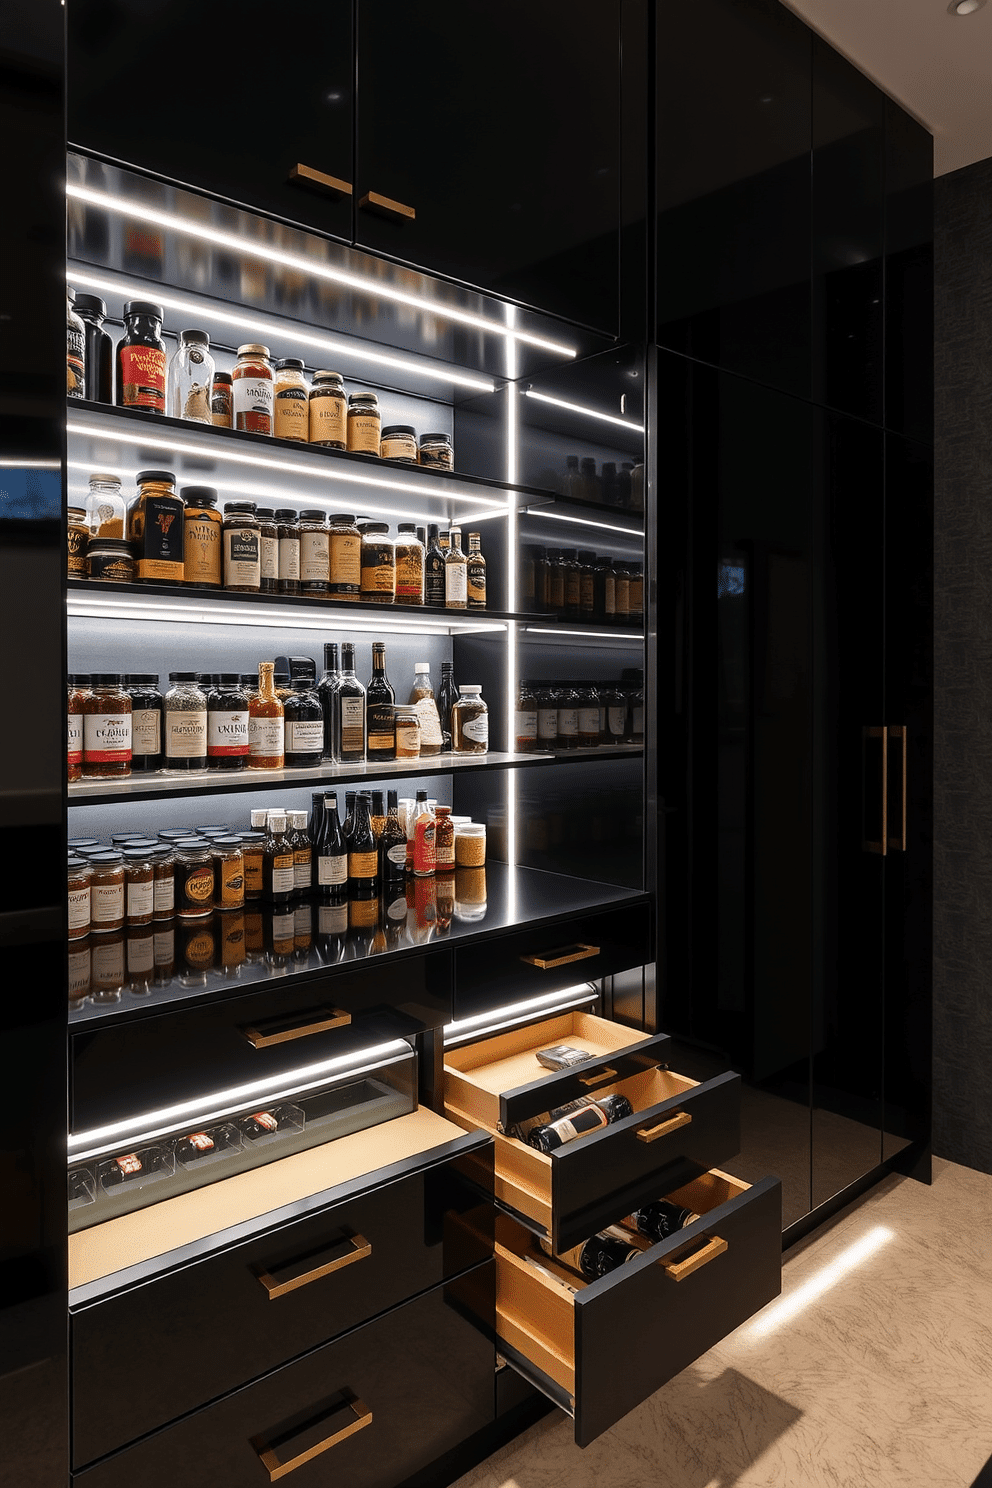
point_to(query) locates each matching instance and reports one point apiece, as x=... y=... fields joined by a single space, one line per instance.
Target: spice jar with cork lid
x=328 y=411
x=364 y=424
x=106 y=728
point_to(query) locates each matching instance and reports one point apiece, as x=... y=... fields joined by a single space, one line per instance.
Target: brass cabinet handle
x=651 y=1134
x=548 y=960
x=280 y=1468
x=315 y=180
x=679 y=1270
x=360 y=1248
x=264 y=1035
x=598 y=1077
x=869 y=844
x=898 y=732
x=386 y=207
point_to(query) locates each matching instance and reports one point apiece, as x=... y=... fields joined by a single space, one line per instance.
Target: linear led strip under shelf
x=513 y=1014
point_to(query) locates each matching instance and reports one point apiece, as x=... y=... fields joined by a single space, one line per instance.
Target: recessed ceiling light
x=964 y=7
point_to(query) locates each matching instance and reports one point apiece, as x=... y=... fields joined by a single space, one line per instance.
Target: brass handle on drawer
x=651 y=1134
x=598 y=1077
x=315 y=180
x=280 y=1469
x=360 y=1248
x=548 y=960
x=679 y=1270
x=897 y=733
x=277 y=1032
x=386 y=207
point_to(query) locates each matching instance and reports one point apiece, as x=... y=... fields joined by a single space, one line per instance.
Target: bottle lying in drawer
x=599 y=1348
x=677 y=1128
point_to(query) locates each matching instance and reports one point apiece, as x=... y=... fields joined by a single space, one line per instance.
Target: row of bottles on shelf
x=580 y=715
x=608 y=486
x=257 y=396
x=579 y=584
x=119 y=725
x=169 y=536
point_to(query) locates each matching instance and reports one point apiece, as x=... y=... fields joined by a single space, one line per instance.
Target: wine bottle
x=327 y=689
x=476 y=573
x=598 y=1255
x=348 y=746
x=434 y=569
x=660 y=1219
x=377 y=815
x=381 y=719
x=447 y=697
x=591 y=1117
x=363 y=857
x=392 y=851
x=331 y=853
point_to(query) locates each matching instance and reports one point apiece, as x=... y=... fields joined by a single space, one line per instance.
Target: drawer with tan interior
x=678 y=1128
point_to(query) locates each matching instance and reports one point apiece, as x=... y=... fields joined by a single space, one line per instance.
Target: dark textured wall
x=963 y=669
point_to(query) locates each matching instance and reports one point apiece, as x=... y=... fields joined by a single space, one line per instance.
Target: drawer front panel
x=205 y=1329
x=505 y=971
x=388 y=1399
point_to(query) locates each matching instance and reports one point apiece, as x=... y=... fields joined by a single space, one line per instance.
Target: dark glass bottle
x=434 y=568
x=601 y=1254
x=331 y=853
x=542 y=579
x=146 y=722
x=99 y=352
x=661 y=1219
x=568 y=717
x=615 y=707
x=141 y=359
x=591 y=1117
x=377 y=816
x=573 y=584
x=447 y=697
x=326 y=691
x=349 y=712
x=316 y=817
x=349 y=812
x=392 y=850
x=363 y=856
x=304 y=724
x=227 y=723
x=587 y=586
x=556 y=582
x=278 y=869
x=381 y=700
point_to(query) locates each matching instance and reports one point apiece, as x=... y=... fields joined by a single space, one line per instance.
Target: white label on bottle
x=269 y=560
x=477 y=729
x=305 y=736
x=79 y=971
x=331 y=871
x=547 y=724
x=107 y=903
x=430 y=723
x=525 y=724
x=253 y=395
x=165 y=946
x=146 y=731
x=397 y=854
x=283 y=879
x=140 y=900
x=242 y=558
x=165 y=895
x=638 y=727
x=314 y=562
x=108 y=962
x=140 y=954
x=227 y=733
x=589 y=721
x=282 y=926
x=332 y=919
x=107 y=736
x=186 y=734
x=455 y=583
x=302 y=871
x=353 y=724
x=617 y=722
x=265 y=736
x=289 y=557
x=568 y=721
x=79 y=909
x=74 y=738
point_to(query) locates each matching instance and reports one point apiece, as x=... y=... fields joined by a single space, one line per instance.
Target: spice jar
x=146 y=722
x=470 y=722
x=291 y=413
x=78 y=686
x=76 y=537
x=185 y=725
x=109 y=560
x=436 y=452
x=227 y=723
x=364 y=424
x=222 y=401
x=141 y=358
x=242 y=548
x=253 y=388
x=328 y=411
x=99 y=348
x=229 y=872
x=155 y=528
x=203 y=528
x=107 y=892
x=344 y=558
x=378 y=563
x=470 y=845
x=75 y=350
x=268 y=550
x=399 y=442
x=288 y=534
x=105 y=512
x=106 y=728
x=194 y=878
x=409 y=566
x=314 y=552
x=164 y=881
x=252 y=844
x=140 y=886
x=191 y=375
x=80 y=877
x=407 y=732
x=444 y=839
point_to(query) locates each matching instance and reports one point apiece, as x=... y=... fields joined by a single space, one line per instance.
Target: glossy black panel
x=908 y=276
x=288 y=101
x=524 y=201
x=733 y=187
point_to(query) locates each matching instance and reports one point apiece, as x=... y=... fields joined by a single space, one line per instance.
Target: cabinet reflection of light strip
x=514 y=1013
x=215 y=1105
x=593 y=413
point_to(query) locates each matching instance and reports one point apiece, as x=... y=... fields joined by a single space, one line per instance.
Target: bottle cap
x=292 y=362
x=329 y=379
x=165 y=476
x=277 y=821
x=406 y=527
x=253 y=348
x=471 y=687
x=422 y=666
x=194 y=338
x=184 y=676
x=342 y=519
x=312 y=514
x=399 y=429
x=199 y=495
x=90 y=302
x=107 y=679
x=264 y=513
x=366 y=528
x=285 y=514
x=435 y=439
x=224 y=378
x=242 y=507
x=143 y=307
x=141 y=679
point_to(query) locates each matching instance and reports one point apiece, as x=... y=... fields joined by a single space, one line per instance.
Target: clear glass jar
x=185 y=726
x=191 y=376
x=436 y=452
x=345 y=558
x=105 y=510
x=79 y=891
x=139 y=903
x=107 y=882
x=288 y=535
x=399 y=442
x=407 y=721
x=78 y=685
x=194 y=878
x=291 y=393
x=164 y=886
x=410 y=565
x=253 y=382
x=470 y=722
x=315 y=540
x=229 y=872
x=364 y=424
x=328 y=411
x=106 y=728
x=378 y=563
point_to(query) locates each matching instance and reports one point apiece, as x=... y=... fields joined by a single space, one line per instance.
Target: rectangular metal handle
x=548 y=960
x=278 y=1467
x=384 y=206
x=897 y=733
x=651 y=1134
x=598 y=1078
x=360 y=1248
x=869 y=844
x=278 y=1031
x=315 y=180
x=679 y=1270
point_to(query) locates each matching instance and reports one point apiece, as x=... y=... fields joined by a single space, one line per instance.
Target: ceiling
x=938 y=66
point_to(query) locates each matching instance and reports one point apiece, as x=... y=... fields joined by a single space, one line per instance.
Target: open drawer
x=679 y=1128
x=602 y=1348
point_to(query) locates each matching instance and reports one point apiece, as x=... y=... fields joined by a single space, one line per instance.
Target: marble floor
x=881 y=1377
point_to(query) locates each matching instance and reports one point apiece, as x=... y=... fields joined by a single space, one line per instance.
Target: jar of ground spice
x=399 y=442
x=364 y=424
x=194 y=878
x=77 y=690
x=409 y=566
x=222 y=401
x=314 y=552
x=164 y=881
x=328 y=411
x=107 y=885
x=344 y=558
x=139 y=905
x=106 y=728
x=80 y=875
x=254 y=389
x=251 y=846
x=203 y=528
x=268 y=550
x=378 y=563
x=291 y=412
x=229 y=872
x=242 y=548
x=76 y=538
x=185 y=725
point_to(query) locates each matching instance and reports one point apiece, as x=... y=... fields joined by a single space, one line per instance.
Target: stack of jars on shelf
x=119 y=725
x=169 y=536
x=578 y=584
x=580 y=715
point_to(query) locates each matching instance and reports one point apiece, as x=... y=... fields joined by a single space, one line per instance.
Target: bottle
x=227 y=723
x=141 y=370
x=302 y=852
x=99 y=352
x=573 y=584
x=304 y=725
x=476 y=573
x=598 y=1255
x=568 y=717
x=266 y=728
x=253 y=383
x=591 y=485
x=105 y=511
x=190 y=378
x=424 y=838
x=377 y=815
x=660 y=1220
x=422 y=697
x=146 y=722
x=185 y=726
x=268 y=550
x=447 y=697
x=622 y=594
x=155 y=528
x=525 y=721
x=556 y=582
x=444 y=840
x=616 y=714
x=381 y=724
x=409 y=565
x=344 y=558
x=290 y=408
x=587 y=586
x=470 y=722
x=326 y=692
x=364 y=424
x=328 y=411
x=434 y=571
x=547 y=717
x=588 y=735
x=363 y=854
x=203 y=528
x=288 y=534
x=455 y=574
x=610 y=484
x=222 y=401
x=610 y=592
x=331 y=853
x=392 y=850
x=349 y=712
x=587 y=1118
x=573 y=480
x=278 y=870
x=349 y=812
x=636 y=612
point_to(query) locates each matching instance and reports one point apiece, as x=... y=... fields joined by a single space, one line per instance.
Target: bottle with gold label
x=328 y=410
x=380 y=701
x=203 y=526
x=363 y=853
x=476 y=573
x=266 y=723
x=291 y=410
x=229 y=872
x=155 y=528
x=364 y=424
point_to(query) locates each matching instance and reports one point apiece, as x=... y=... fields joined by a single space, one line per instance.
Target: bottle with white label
x=616 y=715
x=299 y=839
x=304 y=725
x=185 y=725
x=455 y=573
x=422 y=698
x=392 y=851
x=146 y=722
x=331 y=853
x=227 y=723
x=470 y=722
x=588 y=717
x=348 y=722
x=278 y=868
x=525 y=721
x=568 y=718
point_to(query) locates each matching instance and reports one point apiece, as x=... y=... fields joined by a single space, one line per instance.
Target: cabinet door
x=500 y=131
x=142 y=89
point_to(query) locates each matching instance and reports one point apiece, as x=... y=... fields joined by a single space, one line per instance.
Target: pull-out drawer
x=173 y=1331
x=678 y=1129
x=602 y=1348
x=367 y=1411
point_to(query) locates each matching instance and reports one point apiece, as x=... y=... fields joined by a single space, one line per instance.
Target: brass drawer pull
x=277 y=1468
x=279 y=1032
x=315 y=180
x=386 y=207
x=679 y=1270
x=548 y=960
x=652 y=1133
x=360 y=1248
x=597 y=1078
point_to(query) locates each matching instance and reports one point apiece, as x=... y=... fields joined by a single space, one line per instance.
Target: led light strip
x=512 y=475
x=539 y=511
x=796 y=1301
x=30 y=465
x=245 y=246
x=514 y=1013
x=268 y=326
x=595 y=413
x=587 y=635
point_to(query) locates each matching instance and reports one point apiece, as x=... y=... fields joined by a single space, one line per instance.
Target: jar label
x=79 y=909
x=589 y=721
x=455 y=583
x=363 y=432
x=617 y=722
x=378 y=577
x=253 y=399
x=363 y=865
x=242 y=558
x=76 y=540
x=346 y=562
x=382 y=728
x=477 y=729
x=425 y=846
x=186 y=734
x=397 y=854
x=332 y=871
x=106 y=737
x=140 y=954
x=547 y=724
x=199 y=885
x=112 y=570
x=232 y=882
x=313 y=557
x=438 y=457
x=74 y=739
x=108 y=973
x=410 y=573
x=399 y=447
x=430 y=723
x=269 y=560
x=568 y=721
x=305 y=736
x=352 y=725
x=141 y=373
x=146 y=731
x=140 y=900
x=253 y=870
x=332 y=919
x=302 y=868
x=525 y=724
x=292 y=414
x=328 y=419
x=283 y=874
x=164 y=897
x=164 y=942
x=75 y=374
x=289 y=558
x=265 y=736
x=227 y=735
x=107 y=901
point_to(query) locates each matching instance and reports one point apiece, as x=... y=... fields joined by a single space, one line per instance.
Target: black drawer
x=150 y=1063
x=371 y=1408
x=607 y=1346
x=678 y=1129
x=157 y=1349
x=516 y=967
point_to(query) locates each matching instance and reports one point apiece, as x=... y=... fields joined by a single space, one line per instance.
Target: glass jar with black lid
x=268 y=555
x=304 y=724
x=227 y=723
x=288 y=534
x=146 y=722
x=185 y=743
x=141 y=358
x=242 y=548
x=194 y=878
